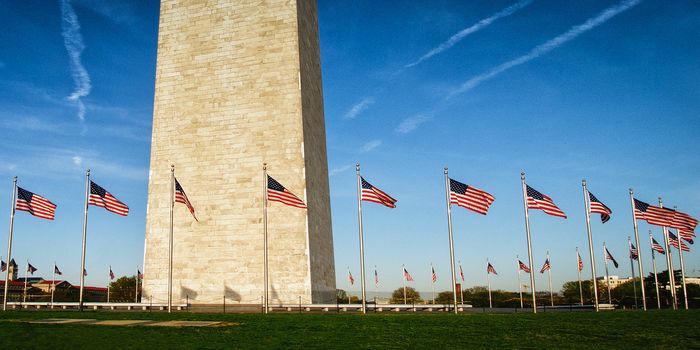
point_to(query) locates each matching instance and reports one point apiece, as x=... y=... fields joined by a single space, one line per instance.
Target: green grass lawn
x=639 y=330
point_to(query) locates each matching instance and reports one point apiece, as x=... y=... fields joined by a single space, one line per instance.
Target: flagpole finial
x=15 y=178
x=631 y=190
x=583 y=182
x=87 y=172
x=357 y=166
x=522 y=175
x=172 y=167
x=445 y=170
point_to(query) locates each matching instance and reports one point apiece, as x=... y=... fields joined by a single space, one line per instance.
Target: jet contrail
x=547 y=46
x=474 y=28
x=73 y=42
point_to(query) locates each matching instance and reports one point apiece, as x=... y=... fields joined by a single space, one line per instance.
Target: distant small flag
x=683 y=221
x=351 y=279
x=31 y=269
x=181 y=197
x=57 y=271
x=580 y=262
x=278 y=193
x=687 y=235
x=3 y=266
x=35 y=204
x=461 y=273
x=434 y=275
x=673 y=242
x=523 y=267
x=101 y=198
x=376 y=277
x=84 y=272
x=609 y=256
x=111 y=274
x=657 y=247
x=373 y=194
x=470 y=197
x=139 y=274
x=634 y=254
x=407 y=275
x=546 y=266
x=596 y=206
x=537 y=200
x=653 y=215
x=491 y=269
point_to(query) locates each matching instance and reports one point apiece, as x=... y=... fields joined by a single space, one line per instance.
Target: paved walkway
x=132 y=322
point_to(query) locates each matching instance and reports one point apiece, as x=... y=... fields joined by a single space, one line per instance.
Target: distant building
x=614 y=280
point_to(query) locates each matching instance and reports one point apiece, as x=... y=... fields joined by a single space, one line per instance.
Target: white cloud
x=359 y=108
x=370 y=146
x=78 y=161
x=338 y=170
x=73 y=41
x=548 y=46
x=411 y=123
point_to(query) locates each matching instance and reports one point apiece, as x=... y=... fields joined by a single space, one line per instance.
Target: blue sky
x=602 y=90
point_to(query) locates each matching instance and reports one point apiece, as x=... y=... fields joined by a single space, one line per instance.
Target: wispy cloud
x=370 y=146
x=117 y=11
x=548 y=46
x=359 y=108
x=411 y=123
x=471 y=30
x=341 y=169
x=73 y=42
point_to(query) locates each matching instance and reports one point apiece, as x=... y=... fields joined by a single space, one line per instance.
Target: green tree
x=341 y=296
x=412 y=296
x=570 y=292
x=123 y=290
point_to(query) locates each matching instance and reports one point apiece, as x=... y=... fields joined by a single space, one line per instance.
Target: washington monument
x=238 y=84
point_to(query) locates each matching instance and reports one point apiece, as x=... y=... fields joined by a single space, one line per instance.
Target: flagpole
x=9 y=242
x=136 y=297
x=170 y=239
x=580 y=285
x=680 y=253
x=639 y=253
x=529 y=244
x=265 y=277
x=669 y=263
x=551 y=293
x=587 y=207
x=109 y=283
x=53 y=283
x=403 y=274
x=520 y=284
x=85 y=220
x=461 y=286
x=432 y=284
x=656 y=278
x=488 y=282
x=362 y=242
x=351 y=283
x=634 y=285
x=452 y=249
x=607 y=274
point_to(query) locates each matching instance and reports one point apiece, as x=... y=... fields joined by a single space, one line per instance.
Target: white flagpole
x=9 y=242
x=639 y=253
x=587 y=206
x=634 y=285
x=580 y=285
x=669 y=262
x=85 y=221
x=452 y=249
x=136 y=297
x=170 y=238
x=520 y=284
x=551 y=292
x=656 y=278
x=109 y=282
x=529 y=244
x=680 y=253
x=403 y=276
x=488 y=282
x=461 y=286
x=607 y=274
x=432 y=284
x=53 y=283
x=265 y=272
x=362 y=242
x=349 y=274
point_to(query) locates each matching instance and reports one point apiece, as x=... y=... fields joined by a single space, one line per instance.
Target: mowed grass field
x=618 y=330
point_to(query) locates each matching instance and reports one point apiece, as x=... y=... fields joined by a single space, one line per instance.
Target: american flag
x=688 y=236
x=181 y=197
x=491 y=269
x=407 y=275
x=537 y=200
x=580 y=262
x=596 y=206
x=609 y=256
x=372 y=194
x=35 y=204
x=277 y=193
x=655 y=246
x=3 y=266
x=461 y=273
x=523 y=267
x=434 y=275
x=101 y=198
x=57 y=271
x=546 y=266
x=111 y=274
x=470 y=197
x=634 y=254
x=653 y=215
x=683 y=221
x=673 y=242
x=31 y=269
x=351 y=279
x=139 y=275
x=376 y=277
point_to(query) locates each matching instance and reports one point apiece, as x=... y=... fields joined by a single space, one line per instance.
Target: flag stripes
x=101 y=198
x=278 y=193
x=596 y=206
x=523 y=267
x=537 y=200
x=580 y=262
x=653 y=215
x=373 y=194
x=181 y=197
x=634 y=254
x=673 y=242
x=434 y=275
x=407 y=275
x=546 y=266
x=657 y=247
x=470 y=197
x=490 y=269
x=35 y=204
